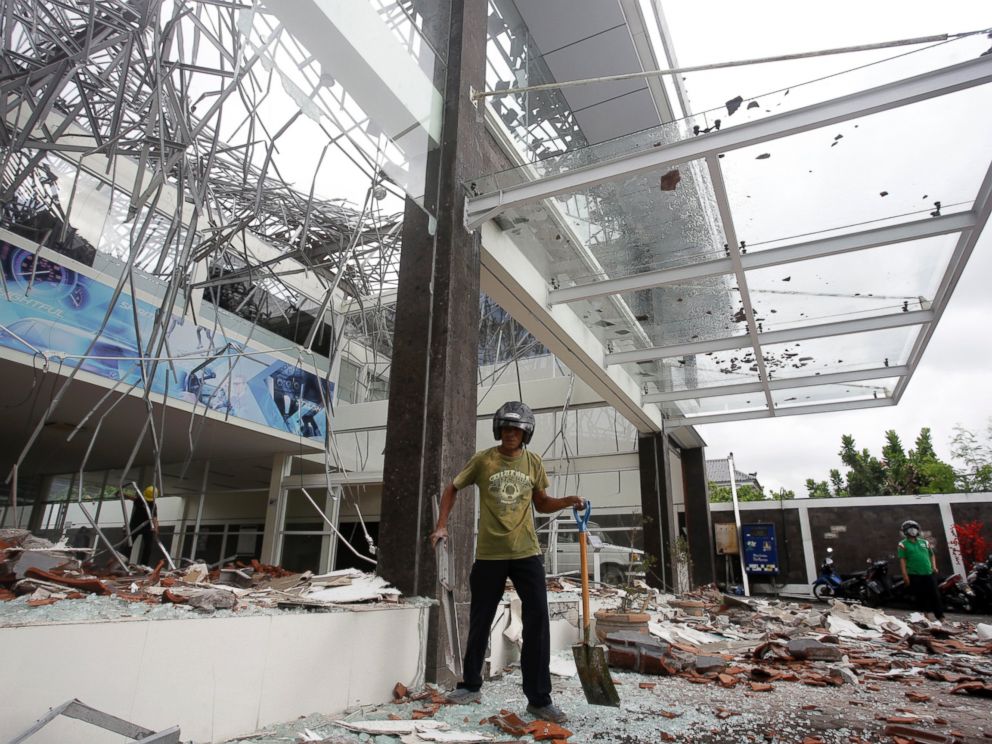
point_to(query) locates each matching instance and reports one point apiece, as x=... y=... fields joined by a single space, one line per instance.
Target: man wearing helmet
x=510 y=479
x=919 y=569
x=143 y=523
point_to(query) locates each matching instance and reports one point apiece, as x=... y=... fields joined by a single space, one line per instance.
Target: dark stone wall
x=873 y=533
x=856 y=534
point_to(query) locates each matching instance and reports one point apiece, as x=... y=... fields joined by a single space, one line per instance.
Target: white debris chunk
x=562 y=667
x=364 y=589
x=394 y=728
x=984 y=632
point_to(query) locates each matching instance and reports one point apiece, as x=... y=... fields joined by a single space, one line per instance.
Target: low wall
x=857 y=528
x=215 y=677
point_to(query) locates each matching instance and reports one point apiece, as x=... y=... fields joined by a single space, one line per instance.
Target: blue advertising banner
x=56 y=310
x=760 y=548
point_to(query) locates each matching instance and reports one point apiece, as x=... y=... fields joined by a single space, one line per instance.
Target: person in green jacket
x=919 y=569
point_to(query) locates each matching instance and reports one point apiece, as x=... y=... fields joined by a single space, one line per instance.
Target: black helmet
x=516 y=414
x=909 y=523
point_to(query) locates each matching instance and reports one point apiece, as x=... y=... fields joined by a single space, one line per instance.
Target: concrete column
x=697 y=517
x=947 y=521
x=329 y=542
x=40 y=504
x=432 y=395
x=808 y=557
x=275 y=510
x=656 y=507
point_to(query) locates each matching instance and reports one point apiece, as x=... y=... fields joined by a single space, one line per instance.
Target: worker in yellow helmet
x=144 y=522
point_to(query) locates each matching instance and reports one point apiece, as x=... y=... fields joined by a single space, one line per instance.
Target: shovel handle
x=585 y=585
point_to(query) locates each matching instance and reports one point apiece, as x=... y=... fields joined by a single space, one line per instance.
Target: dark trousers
x=487 y=582
x=927 y=594
x=145 y=538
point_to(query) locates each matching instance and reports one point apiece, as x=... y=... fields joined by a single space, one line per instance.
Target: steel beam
x=900 y=233
x=833 y=378
x=720 y=418
x=788 y=335
x=962 y=252
x=734 y=253
x=931 y=84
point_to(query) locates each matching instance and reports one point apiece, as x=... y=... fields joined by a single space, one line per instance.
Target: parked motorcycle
x=878 y=588
x=831 y=585
x=955 y=594
x=980 y=583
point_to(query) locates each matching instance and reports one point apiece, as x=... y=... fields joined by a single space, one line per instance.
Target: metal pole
x=13 y=496
x=480 y=95
x=737 y=520
x=199 y=510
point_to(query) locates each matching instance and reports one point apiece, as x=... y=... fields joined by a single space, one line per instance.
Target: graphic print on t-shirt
x=509 y=487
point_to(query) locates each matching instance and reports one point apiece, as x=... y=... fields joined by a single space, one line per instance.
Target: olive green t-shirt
x=506 y=488
x=917 y=554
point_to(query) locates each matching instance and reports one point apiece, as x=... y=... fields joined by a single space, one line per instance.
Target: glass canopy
x=787 y=253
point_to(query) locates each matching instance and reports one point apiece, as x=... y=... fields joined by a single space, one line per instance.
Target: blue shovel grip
x=583 y=521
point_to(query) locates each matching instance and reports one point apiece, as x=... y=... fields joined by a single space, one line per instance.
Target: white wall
x=215 y=677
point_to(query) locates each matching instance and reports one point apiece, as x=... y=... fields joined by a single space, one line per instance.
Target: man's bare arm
x=447 y=504
x=547 y=505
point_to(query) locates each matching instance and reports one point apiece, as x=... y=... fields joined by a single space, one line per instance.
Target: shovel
x=590 y=661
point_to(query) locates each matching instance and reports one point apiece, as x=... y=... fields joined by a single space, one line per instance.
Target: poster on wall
x=47 y=307
x=760 y=548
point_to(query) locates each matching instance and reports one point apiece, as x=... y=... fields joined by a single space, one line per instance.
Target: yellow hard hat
x=150 y=493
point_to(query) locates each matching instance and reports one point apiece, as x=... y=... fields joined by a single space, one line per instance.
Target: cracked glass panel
x=752 y=402
x=895 y=165
x=902 y=277
x=835 y=393
x=800 y=86
x=699 y=371
x=657 y=220
x=847 y=353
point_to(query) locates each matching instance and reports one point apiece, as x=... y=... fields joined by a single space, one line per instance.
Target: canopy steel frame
x=832 y=378
x=822 y=248
x=722 y=418
x=784 y=336
x=923 y=87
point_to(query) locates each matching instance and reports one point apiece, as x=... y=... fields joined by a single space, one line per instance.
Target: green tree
x=933 y=475
x=745 y=492
x=817 y=490
x=899 y=476
x=865 y=475
x=976 y=455
x=782 y=494
x=837 y=482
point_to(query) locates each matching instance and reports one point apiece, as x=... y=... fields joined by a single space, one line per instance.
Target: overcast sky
x=951 y=384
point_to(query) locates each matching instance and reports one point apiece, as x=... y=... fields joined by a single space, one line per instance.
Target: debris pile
x=36 y=573
x=706 y=667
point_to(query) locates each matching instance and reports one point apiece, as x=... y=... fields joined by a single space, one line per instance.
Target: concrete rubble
x=35 y=573
x=715 y=668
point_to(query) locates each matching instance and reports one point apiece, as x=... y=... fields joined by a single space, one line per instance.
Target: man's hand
x=905 y=579
x=577 y=502
x=441 y=533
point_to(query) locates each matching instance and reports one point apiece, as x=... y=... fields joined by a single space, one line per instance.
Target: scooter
x=831 y=585
x=980 y=583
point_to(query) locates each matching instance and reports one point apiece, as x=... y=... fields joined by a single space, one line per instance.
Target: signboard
x=726 y=538
x=760 y=549
x=47 y=306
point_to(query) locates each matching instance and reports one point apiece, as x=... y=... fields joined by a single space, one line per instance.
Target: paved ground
x=662 y=709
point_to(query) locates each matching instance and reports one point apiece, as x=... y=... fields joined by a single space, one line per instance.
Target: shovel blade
x=594 y=673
